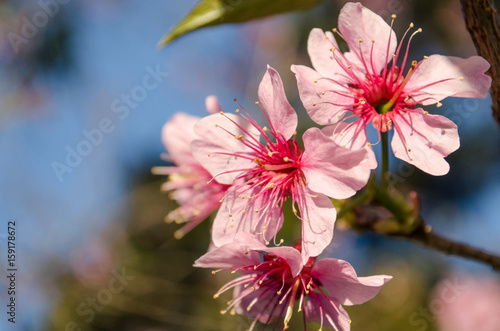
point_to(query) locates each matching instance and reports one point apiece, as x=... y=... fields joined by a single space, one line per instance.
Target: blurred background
x=89 y=213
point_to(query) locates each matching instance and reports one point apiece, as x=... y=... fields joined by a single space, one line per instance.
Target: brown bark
x=483 y=24
x=425 y=236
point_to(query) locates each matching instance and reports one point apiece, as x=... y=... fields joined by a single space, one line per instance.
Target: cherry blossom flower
x=467 y=303
x=266 y=166
x=187 y=179
x=274 y=278
x=364 y=82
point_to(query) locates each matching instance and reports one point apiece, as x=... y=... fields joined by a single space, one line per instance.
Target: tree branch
x=391 y=213
x=483 y=24
x=424 y=235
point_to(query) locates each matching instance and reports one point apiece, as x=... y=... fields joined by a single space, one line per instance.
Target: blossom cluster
x=231 y=163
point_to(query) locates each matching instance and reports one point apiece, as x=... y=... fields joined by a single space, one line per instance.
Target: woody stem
x=426 y=237
x=385 y=159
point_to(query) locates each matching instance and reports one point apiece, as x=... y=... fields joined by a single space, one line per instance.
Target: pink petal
x=267 y=300
x=249 y=221
x=318 y=219
x=353 y=136
x=282 y=116
x=335 y=171
x=340 y=280
x=429 y=138
x=334 y=316
x=290 y=255
x=216 y=135
x=319 y=47
x=212 y=104
x=176 y=136
x=232 y=255
x=475 y=83
x=325 y=108
x=359 y=23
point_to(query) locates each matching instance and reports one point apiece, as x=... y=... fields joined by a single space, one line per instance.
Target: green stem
x=359 y=200
x=385 y=159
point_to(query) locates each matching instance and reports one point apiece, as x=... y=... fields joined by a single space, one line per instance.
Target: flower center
x=279 y=164
x=383 y=106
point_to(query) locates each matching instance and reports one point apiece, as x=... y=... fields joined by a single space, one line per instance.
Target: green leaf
x=214 y=12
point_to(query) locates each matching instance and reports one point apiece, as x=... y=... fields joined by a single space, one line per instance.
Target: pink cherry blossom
x=365 y=82
x=266 y=166
x=274 y=278
x=464 y=303
x=187 y=179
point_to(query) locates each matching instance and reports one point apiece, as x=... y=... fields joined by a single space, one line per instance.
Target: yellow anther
x=221 y=112
x=419 y=30
x=393 y=16
x=439 y=104
x=286 y=159
x=461 y=78
x=360 y=40
x=411 y=25
x=237 y=111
